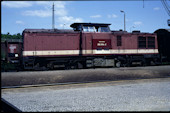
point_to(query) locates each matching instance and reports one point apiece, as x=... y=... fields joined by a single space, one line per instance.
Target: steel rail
x=70 y=83
x=53 y=84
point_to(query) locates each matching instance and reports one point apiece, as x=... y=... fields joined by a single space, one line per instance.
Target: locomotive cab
x=95 y=43
x=91 y=27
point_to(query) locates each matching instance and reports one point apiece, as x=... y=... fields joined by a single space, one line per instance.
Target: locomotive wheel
x=74 y=66
x=118 y=64
x=80 y=65
x=50 y=65
x=44 y=68
x=37 y=66
x=152 y=63
x=143 y=63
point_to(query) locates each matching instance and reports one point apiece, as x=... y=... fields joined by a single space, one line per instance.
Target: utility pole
x=53 y=24
x=124 y=20
x=63 y=25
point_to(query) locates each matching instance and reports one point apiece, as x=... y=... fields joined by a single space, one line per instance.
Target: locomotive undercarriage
x=137 y=60
x=46 y=63
x=80 y=62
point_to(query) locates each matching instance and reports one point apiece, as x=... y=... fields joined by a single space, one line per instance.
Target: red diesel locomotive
x=87 y=45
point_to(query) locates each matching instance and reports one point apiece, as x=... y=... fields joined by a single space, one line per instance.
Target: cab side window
x=89 y=29
x=85 y=29
x=103 y=29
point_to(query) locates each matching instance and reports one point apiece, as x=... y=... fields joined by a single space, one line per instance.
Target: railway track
x=42 y=78
x=53 y=84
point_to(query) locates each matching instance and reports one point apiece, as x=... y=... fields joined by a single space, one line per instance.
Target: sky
x=146 y=16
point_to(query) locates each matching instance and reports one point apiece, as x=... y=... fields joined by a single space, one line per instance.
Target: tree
x=8 y=36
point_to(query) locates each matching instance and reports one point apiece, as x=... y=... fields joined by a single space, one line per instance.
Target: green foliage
x=5 y=66
x=9 y=36
x=2 y=54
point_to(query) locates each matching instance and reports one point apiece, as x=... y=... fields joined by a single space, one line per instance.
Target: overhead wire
x=166 y=6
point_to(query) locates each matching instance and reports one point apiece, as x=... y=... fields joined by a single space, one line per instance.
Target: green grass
x=5 y=66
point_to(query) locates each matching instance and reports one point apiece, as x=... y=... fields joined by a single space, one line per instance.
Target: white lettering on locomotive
x=101 y=43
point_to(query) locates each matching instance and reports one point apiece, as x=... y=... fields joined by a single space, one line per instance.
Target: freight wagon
x=11 y=50
x=11 y=54
x=163 y=36
x=87 y=45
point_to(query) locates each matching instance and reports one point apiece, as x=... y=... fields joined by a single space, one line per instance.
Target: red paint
x=51 y=41
x=71 y=41
x=101 y=44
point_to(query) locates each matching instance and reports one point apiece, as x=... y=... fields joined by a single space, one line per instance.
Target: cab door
x=87 y=43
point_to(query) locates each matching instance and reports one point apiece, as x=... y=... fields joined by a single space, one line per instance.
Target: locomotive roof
x=74 y=25
x=49 y=30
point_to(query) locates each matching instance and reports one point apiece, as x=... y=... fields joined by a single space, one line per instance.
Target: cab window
x=85 y=28
x=103 y=29
x=89 y=29
x=96 y=29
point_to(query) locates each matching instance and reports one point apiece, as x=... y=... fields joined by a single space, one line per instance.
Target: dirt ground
x=82 y=75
